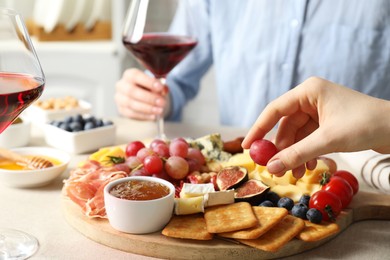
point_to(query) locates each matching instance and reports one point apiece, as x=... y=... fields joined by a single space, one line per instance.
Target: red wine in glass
x=17 y=91
x=160 y=52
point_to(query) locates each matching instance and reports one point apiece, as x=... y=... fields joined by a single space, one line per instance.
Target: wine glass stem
x=160 y=118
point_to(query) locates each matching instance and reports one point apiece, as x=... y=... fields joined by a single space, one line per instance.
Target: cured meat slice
x=85 y=186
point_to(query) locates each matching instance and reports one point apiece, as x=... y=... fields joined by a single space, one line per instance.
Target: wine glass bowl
x=21 y=77
x=21 y=82
x=158 y=52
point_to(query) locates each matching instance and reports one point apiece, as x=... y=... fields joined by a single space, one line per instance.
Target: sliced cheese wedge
x=219 y=198
x=185 y=206
x=190 y=190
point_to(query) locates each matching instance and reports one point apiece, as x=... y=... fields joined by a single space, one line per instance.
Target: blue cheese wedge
x=211 y=147
x=185 y=206
x=190 y=190
x=219 y=198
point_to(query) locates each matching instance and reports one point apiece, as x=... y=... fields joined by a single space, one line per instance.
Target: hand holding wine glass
x=158 y=52
x=21 y=82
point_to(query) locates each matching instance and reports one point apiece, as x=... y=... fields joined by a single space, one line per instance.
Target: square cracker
x=231 y=217
x=267 y=218
x=188 y=227
x=278 y=236
x=314 y=232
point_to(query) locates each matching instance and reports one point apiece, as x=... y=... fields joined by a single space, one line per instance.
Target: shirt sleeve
x=192 y=19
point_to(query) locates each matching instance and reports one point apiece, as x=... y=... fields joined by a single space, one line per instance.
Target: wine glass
x=21 y=82
x=159 y=52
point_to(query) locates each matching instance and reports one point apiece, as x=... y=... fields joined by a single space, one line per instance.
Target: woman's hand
x=140 y=96
x=319 y=117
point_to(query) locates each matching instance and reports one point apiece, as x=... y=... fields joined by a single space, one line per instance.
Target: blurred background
x=79 y=46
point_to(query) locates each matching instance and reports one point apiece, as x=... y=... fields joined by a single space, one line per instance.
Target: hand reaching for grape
x=319 y=117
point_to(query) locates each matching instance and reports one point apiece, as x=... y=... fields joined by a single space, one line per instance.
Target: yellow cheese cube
x=286 y=179
x=185 y=206
x=290 y=190
x=315 y=175
x=308 y=188
x=241 y=159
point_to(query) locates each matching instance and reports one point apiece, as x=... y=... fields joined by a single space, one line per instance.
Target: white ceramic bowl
x=79 y=142
x=35 y=178
x=139 y=216
x=16 y=135
x=39 y=115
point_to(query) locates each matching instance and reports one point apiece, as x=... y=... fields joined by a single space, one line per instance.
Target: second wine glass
x=158 y=52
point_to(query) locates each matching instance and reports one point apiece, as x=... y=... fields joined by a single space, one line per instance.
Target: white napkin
x=372 y=167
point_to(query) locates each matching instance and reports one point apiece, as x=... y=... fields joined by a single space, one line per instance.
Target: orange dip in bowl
x=139 y=190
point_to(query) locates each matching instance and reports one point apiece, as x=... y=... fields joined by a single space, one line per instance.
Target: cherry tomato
x=326 y=202
x=340 y=188
x=350 y=178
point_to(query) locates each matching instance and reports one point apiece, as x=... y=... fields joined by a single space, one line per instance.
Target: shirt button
x=294 y=23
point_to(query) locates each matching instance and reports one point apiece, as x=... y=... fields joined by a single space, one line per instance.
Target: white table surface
x=38 y=211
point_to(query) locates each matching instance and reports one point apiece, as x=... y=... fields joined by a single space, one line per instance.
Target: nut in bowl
x=140 y=214
x=44 y=111
x=14 y=175
x=79 y=133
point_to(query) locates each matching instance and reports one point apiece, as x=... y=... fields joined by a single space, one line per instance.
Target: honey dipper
x=33 y=163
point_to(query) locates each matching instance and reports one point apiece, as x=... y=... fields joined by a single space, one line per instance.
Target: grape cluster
x=167 y=160
x=79 y=123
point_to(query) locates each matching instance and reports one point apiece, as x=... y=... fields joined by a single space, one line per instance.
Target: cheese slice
x=290 y=190
x=286 y=179
x=219 y=198
x=241 y=159
x=315 y=175
x=185 y=206
x=190 y=190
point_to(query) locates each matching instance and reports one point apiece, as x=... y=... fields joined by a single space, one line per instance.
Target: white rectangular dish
x=82 y=141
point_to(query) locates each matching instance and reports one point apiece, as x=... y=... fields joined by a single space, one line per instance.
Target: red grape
x=153 y=164
x=178 y=148
x=132 y=148
x=140 y=172
x=261 y=151
x=133 y=162
x=156 y=142
x=176 y=167
x=196 y=154
x=144 y=152
x=162 y=150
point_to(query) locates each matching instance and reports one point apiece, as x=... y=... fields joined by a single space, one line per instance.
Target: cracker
x=267 y=218
x=314 y=232
x=188 y=227
x=278 y=236
x=231 y=217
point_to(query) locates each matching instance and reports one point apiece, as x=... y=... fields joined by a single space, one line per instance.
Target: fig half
x=252 y=191
x=231 y=177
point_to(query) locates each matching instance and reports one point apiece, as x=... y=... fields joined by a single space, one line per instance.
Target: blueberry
x=65 y=126
x=99 y=122
x=305 y=199
x=314 y=216
x=89 y=125
x=107 y=122
x=78 y=118
x=299 y=210
x=68 y=119
x=286 y=203
x=273 y=197
x=76 y=126
x=55 y=123
x=267 y=203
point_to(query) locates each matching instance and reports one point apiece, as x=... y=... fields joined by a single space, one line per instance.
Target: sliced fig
x=231 y=177
x=252 y=191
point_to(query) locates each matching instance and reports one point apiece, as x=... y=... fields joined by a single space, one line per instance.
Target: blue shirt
x=262 y=48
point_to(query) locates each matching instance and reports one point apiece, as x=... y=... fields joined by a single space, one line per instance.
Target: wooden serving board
x=365 y=206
